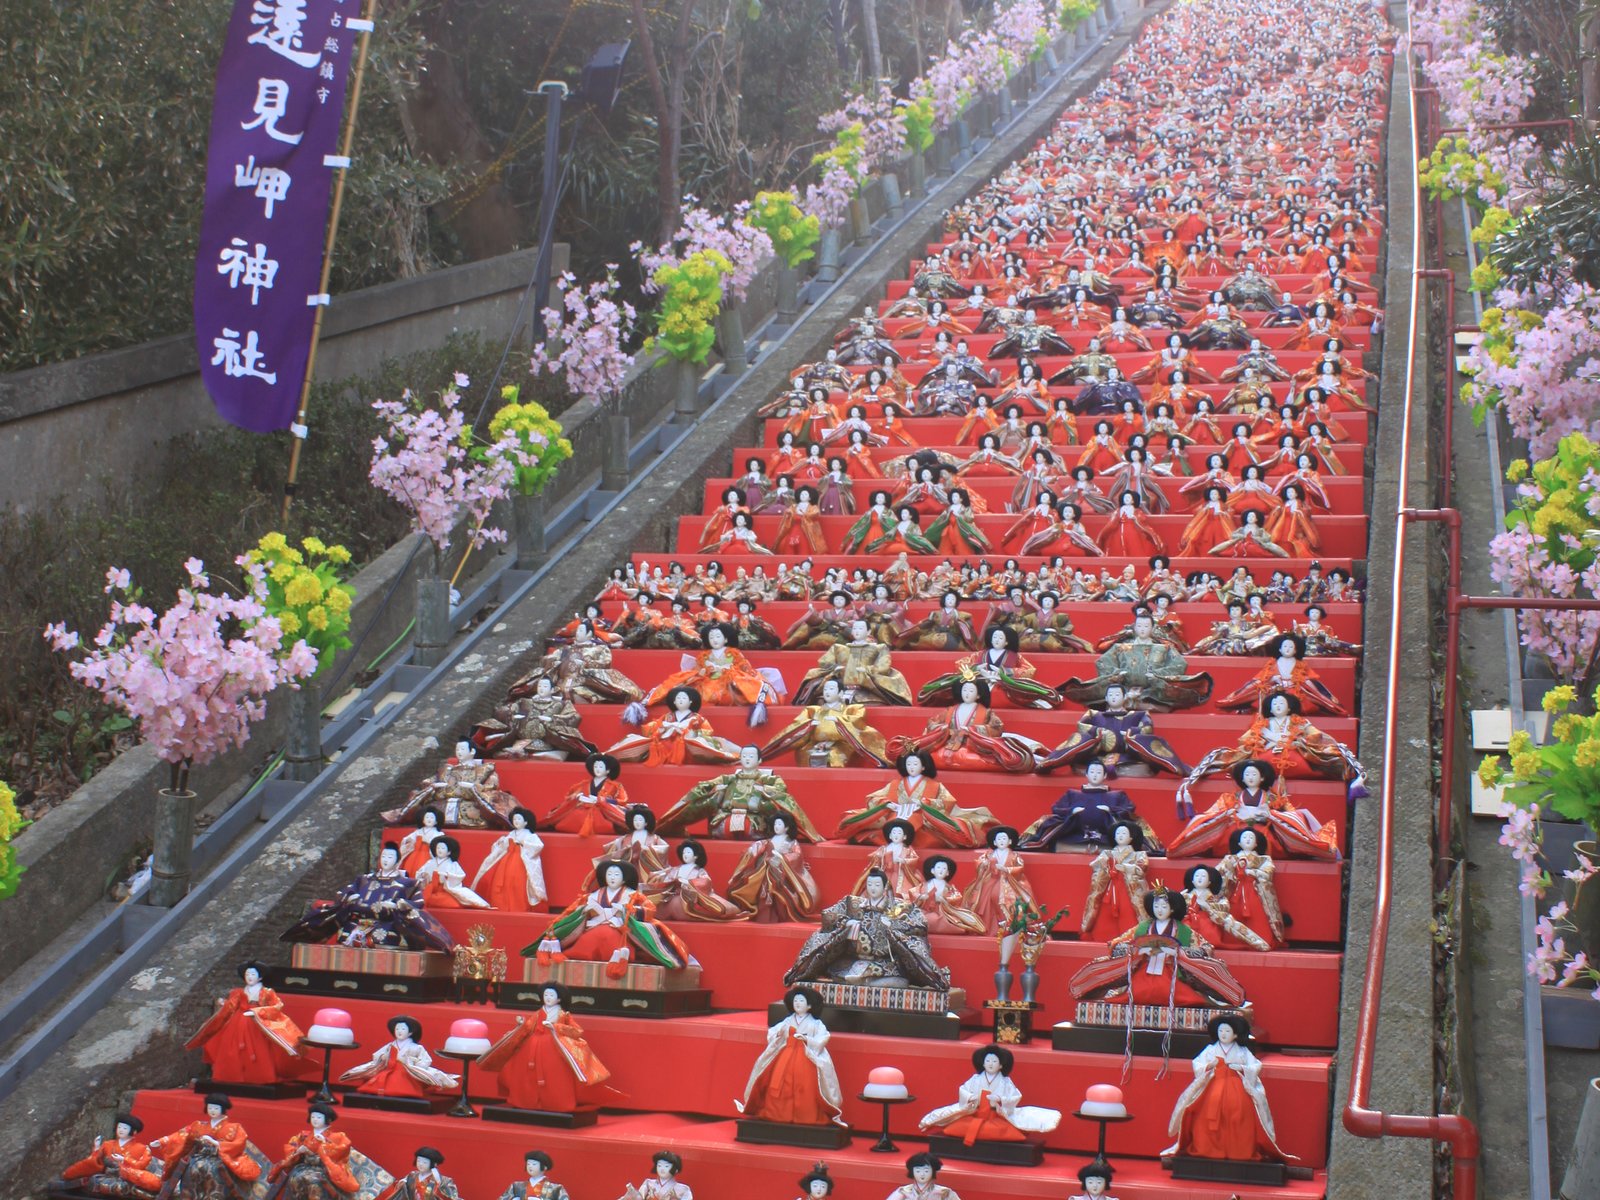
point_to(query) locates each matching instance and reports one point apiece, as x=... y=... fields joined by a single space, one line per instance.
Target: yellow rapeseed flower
x=1587 y=754
x=1520 y=743
x=317 y=617
x=304 y=588
x=274 y=543
x=1489 y=771
x=338 y=600
x=1557 y=699
x=289 y=623
x=313 y=545
x=1516 y=469
x=338 y=554
x=1524 y=766
x=1566 y=727
x=282 y=573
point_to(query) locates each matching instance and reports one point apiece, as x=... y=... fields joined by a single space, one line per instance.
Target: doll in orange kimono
x=1223 y=1113
x=118 y=1166
x=1291 y=525
x=249 y=1039
x=969 y=736
x=679 y=736
x=1128 y=533
x=595 y=804
x=794 y=1081
x=720 y=674
x=316 y=1162
x=1210 y=526
x=999 y=883
x=987 y=1109
x=545 y=1063
x=211 y=1157
x=800 y=527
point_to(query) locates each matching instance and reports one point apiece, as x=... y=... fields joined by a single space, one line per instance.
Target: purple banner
x=276 y=119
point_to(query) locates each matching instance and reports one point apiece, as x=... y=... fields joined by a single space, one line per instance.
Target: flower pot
x=174 y=847
x=828 y=255
x=918 y=172
x=788 y=307
x=890 y=183
x=529 y=514
x=730 y=338
x=1050 y=64
x=686 y=389
x=1003 y=117
x=618 y=469
x=1582 y=1179
x=860 y=221
x=941 y=153
x=433 y=621
x=963 y=135
x=302 y=754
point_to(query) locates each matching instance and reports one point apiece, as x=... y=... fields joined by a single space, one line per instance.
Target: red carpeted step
x=1310 y=892
x=699 y=1066
x=597 y=1163
x=1295 y=992
x=1260 y=568
x=827 y=794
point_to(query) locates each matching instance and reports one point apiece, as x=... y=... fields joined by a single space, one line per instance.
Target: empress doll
x=596 y=803
x=969 y=736
x=611 y=924
x=685 y=892
x=680 y=735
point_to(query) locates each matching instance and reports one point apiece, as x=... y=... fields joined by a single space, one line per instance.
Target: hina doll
x=876 y=522
x=1288 y=674
x=955 y=531
x=1259 y=804
x=1129 y=534
x=400 y=1067
x=680 y=735
x=466 y=794
x=208 y=1159
x=424 y=1181
x=541 y=725
x=1124 y=860
x=118 y=1166
x=638 y=845
x=1095 y=1179
x=685 y=892
x=721 y=675
x=816 y=1184
x=538 y=1185
x=918 y=799
x=989 y=1107
x=1223 y=1113
x=940 y=900
x=771 y=881
x=871 y=938
x=581 y=672
x=1287 y=742
x=665 y=1167
x=544 y=1062
x=1247 y=868
x=443 y=881
x=596 y=803
x=1148 y=669
x=821 y=627
x=999 y=883
x=721 y=518
x=1249 y=539
x=946 y=628
x=896 y=861
x=317 y=1162
x=863 y=669
x=1211 y=525
x=831 y=733
x=249 y=1039
x=1001 y=666
x=1210 y=913
x=836 y=496
x=904 y=537
x=1134 y=475
x=754 y=632
x=740 y=804
x=923 y=1171
x=380 y=910
x=1049 y=630
x=1160 y=962
x=610 y=924
x=793 y=1081
x=1320 y=641
x=1085 y=816
x=800 y=527
x=1291 y=525
x=1122 y=739
x=1240 y=635
x=511 y=878
x=969 y=735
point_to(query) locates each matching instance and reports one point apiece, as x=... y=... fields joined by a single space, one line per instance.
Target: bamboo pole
x=369 y=12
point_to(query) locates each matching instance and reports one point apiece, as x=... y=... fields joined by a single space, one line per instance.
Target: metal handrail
x=1359 y=1117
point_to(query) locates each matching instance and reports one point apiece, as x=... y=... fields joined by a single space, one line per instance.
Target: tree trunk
x=869 y=28
x=666 y=89
x=841 y=47
x=441 y=126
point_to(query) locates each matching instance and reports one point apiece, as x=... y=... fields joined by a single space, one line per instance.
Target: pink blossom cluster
x=1549 y=960
x=1520 y=563
x=828 y=199
x=947 y=85
x=730 y=234
x=422 y=463
x=591 y=329
x=195 y=676
x=882 y=123
x=1549 y=386
x=976 y=62
x=1477 y=86
x=1025 y=26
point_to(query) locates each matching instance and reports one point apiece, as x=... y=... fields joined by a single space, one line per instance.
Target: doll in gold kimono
x=830 y=733
x=863 y=669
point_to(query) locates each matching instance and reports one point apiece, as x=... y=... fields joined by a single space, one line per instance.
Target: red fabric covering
x=598 y=1162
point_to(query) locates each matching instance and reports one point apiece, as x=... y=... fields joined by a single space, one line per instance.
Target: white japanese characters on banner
x=279 y=104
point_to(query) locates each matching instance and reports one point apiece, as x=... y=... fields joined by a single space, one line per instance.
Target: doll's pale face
x=640 y=822
x=950 y=601
x=922 y=1173
x=1248 y=842
x=441 y=852
x=819 y=1188
x=914 y=766
x=780 y=827
x=799 y=1006
x=969 y=693
x=318 y=1122
x=1096 y=772
x=1002 y=841
x=1094 y=1185
x=1199 y=881
x=681 y=702
x=859 y=631
x=875 y=887
x=941 y=871
x=991 y=1064
x=543 y=688
x=251 y=977
x=1123 y=836
x=424 y=1164
x=1280 y=706
x=613 y=877
x=897 y=836
x=1162 y=908
x=1225 y=1034
x=430 y=820
x=551 y=998
x=663 y=1170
